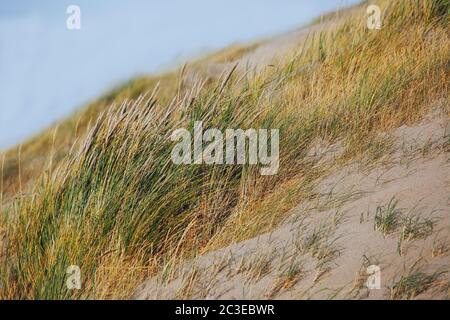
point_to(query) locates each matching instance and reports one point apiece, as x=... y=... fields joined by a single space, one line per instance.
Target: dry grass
x=115 y=201
x=413 y=282
x=230 y=54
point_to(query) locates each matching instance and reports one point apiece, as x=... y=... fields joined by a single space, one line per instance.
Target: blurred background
x=47 y=70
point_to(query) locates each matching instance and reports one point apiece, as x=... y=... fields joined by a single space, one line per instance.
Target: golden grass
x=114 y=203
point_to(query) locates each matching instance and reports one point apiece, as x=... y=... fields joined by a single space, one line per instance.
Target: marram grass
x=114 y=204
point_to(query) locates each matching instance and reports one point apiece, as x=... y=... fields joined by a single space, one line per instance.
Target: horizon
x=48 y=71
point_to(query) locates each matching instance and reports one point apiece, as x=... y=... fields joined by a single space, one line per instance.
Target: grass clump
x=417 y=227
x=387 y=218
x=414 y=226
x=412 y=283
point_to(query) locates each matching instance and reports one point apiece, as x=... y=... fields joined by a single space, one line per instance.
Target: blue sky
x=47 y=71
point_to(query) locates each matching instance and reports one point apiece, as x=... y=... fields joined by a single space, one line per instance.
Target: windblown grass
x=120 y=209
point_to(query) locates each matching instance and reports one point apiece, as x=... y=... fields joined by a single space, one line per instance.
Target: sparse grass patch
x=321 y=243
x=415 y=226
x=259 y=266
x=413 y=282
x=387 y=218
x=288 y=278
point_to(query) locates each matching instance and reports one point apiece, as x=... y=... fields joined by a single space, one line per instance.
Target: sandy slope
x=266 y=54
x=325 y=246
x=288 y=263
